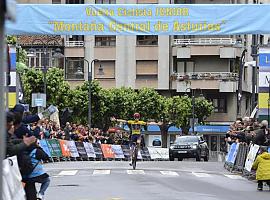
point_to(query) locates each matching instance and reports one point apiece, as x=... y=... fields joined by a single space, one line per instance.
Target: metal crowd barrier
x=63 y=150
x=240 y=159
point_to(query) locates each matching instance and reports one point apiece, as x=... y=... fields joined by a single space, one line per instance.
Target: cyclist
x=136 y=126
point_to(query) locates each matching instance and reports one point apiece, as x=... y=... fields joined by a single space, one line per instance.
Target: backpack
x=25 y=164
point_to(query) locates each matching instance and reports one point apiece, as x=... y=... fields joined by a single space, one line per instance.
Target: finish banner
x=140 y=19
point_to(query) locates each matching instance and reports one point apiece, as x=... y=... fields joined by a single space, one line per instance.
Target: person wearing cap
x=21 y=121
x=14 y=145
x=262 y=135
x=262 y=166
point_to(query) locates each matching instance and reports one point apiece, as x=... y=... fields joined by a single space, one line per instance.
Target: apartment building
x=173 y=65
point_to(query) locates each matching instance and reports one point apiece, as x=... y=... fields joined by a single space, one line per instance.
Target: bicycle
x=135 y=151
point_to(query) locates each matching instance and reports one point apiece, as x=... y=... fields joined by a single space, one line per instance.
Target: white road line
x=201 y=175
x=231 y=176
x=135 y=172
x=169 y=173
x=68 y=173
x=101 y=172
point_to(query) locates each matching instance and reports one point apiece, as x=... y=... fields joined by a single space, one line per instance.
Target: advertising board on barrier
x=98 y=150
x=43 y=144
x=145 y=153
x=153 y=153
x=118 y=152
x=55 y=148
x=231 y=157
x=126 y=151
x=89 y=149
x=251 y=157
x=107 y=151
x=81 y=150
x=64 y=148
x=73 y=150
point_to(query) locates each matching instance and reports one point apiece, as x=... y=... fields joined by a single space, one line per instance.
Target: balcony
x=222 y=81
x=74 y=49
x=205 y=42
x=74 y=44
x=205 y=76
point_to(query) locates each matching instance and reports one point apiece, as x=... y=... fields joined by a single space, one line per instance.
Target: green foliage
x=11 y=40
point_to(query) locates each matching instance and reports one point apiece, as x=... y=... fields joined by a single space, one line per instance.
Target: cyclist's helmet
x=137 y=116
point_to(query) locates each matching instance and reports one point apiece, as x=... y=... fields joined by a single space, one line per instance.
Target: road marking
x=101 y=172
x=68 y=173
x=201 y=175
x=234 y=176
x=135 y=172
x=169 y=173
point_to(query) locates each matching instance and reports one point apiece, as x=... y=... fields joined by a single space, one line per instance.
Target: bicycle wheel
x=134 y=158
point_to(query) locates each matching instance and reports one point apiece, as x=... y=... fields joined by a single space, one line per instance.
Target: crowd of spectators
x=47 y=129
x=248 y=131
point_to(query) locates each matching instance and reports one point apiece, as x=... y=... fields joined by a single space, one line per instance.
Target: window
x=74 y=69
x=146 y=69
x=105 y=1
x=74 y=1
x=76 y=38
x=184 y=66
x=245 y=72
x=56 y=1
x=101 y=41
x=108 y=69
x=220 y=105
x=147 y=40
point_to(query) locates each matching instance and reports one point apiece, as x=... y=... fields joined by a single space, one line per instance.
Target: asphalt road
x=161 y=180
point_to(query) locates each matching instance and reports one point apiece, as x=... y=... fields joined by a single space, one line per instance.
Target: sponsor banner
x=55 y=148
x=43 y=144
x=251 y=157
x=145 y=153
x=64 y=148
x=154 y=154
x=107 y=151
x=98 y=150
x=163 y=152
x=73 y=150
x=81 y=150
x=263 y=100
x=140 y=19
x=118 y=152
x=89 y=149
x=126 y=151
x=231 y=157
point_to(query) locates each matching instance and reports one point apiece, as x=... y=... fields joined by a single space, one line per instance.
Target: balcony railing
x=205 y=41
x=205 y=76
x=74 y=44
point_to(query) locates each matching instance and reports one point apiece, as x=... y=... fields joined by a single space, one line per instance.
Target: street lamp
x=57 y=54
x=80 y=72
x=193 y=106
x=239 y=93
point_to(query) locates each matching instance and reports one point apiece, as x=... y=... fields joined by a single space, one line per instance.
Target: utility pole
x=254 y=55
x=2 y=95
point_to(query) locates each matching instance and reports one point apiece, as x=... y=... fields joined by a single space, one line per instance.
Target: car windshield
x=186 y=139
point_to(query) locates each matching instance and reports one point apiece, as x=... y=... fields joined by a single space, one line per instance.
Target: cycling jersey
x=136 y=126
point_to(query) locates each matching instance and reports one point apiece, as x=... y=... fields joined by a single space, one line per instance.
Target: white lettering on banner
x=89 y=150
x=251 y=157
x=73 y=149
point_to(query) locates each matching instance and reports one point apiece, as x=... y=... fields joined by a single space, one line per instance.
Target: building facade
x=173 y=65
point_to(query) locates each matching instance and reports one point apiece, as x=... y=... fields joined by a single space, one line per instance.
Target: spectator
x=68 y=131
x=262 y=136
x=262 y=166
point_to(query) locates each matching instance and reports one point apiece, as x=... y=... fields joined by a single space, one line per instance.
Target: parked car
x=189 y=147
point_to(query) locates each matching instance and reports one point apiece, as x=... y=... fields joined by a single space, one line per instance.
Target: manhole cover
x=68 y=185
